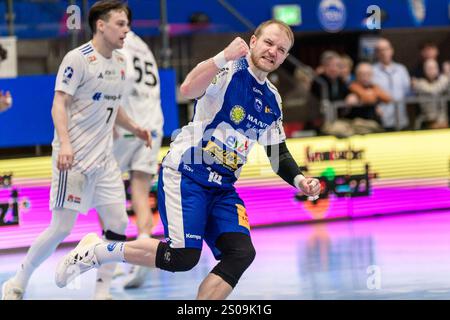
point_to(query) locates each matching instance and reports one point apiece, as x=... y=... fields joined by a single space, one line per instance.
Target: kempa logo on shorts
x=111 y=246
x=237 y=114
x=193 y=236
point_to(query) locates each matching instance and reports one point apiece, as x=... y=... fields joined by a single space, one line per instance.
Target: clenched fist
x=236 y=49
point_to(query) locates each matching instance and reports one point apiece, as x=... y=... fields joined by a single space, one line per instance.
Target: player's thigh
x=109 y=187
x=227 y=214
x=124 y=150
x=182 y=207
x=145 y=159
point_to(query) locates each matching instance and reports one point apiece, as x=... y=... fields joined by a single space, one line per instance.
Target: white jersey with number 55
x=96 y=85
x=142 y=100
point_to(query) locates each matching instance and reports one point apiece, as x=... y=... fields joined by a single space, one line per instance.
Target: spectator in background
x=5 y=101
x=393 y=78
x=428 y=50
x=366 y=116
x=432 y=85
x=329 y=86
x=346 y=69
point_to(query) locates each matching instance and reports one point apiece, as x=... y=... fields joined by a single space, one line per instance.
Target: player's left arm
x=124 y=121
x=284 y=165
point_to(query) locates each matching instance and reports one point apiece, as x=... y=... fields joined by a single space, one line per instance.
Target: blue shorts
x=191 y=212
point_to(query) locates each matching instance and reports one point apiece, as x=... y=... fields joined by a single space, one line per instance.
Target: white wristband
x=219 y=60
x=298 y=178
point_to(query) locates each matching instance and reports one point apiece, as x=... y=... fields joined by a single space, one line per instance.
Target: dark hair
x=428 y=44
x=101 y=9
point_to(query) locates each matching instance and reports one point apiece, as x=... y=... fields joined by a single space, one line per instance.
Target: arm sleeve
x=70 y=73
x=282 y=162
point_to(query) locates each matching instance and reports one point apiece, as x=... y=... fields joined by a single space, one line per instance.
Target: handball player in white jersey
x=236 y=107
x=88 y=91
x=142 y=102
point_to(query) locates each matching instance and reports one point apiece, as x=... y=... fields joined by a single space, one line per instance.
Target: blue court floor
x=399 y=257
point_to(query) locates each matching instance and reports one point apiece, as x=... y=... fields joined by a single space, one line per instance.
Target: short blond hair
x=281 y=24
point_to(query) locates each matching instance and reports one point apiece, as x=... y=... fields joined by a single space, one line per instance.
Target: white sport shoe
x=78 y=261
x=136 y=277
x=11 y=291
x=103 y=296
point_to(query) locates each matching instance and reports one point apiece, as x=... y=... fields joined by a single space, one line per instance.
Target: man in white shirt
x=88 y=90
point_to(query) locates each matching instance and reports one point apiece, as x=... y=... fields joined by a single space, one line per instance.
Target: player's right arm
x=61 y=103
x=198 y=80
x=68 y=79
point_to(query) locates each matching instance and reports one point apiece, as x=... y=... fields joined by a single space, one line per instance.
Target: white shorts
x=74 y=190
x=132 y=154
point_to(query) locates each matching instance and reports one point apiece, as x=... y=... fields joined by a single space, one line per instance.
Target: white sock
x=107 y=252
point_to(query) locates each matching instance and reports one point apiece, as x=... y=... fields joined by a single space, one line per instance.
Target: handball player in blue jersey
x=236 y=107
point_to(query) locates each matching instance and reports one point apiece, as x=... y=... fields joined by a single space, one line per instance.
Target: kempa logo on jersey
x=257 y=91
x=193 y=236
x=111 y=246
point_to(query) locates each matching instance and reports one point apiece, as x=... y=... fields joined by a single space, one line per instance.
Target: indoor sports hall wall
x=363 y=176
x=29 y=122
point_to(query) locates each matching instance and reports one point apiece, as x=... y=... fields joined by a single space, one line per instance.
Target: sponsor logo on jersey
x=193 y=236
x=243 y=217
x=257 y=122
x=187 y=168
x=237 y=114
x=111 y=75
x=234 y=143
x=67 y=75
x=74 y=199
x=332 y=15
x=100 y=76
x=228 y=159
x=97 y=96
x=257 y=91
x=258 y=104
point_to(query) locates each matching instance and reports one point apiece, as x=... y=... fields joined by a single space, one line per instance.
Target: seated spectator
x=5 y=101
x=393 y=78
x=366 y=115
x=329 y=87
x=432 y=85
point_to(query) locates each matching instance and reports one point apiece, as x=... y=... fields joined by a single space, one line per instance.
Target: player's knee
x=113 y=236
x=238 y=254
x=176 y=259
